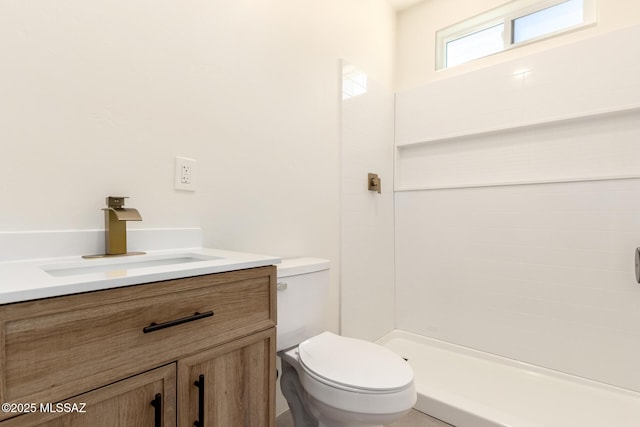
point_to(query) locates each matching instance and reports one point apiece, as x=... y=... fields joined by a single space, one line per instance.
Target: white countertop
x=23 y=280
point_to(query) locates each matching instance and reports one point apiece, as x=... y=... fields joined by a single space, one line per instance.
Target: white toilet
x=329 y=380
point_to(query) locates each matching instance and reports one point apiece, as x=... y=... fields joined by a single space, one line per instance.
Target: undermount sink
x=105 y=265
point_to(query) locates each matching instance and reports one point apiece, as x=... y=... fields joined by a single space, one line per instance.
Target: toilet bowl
x=329 y=380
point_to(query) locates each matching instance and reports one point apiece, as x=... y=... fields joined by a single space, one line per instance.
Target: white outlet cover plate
x=185 y=174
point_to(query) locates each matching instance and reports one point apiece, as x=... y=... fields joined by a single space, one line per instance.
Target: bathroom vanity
x=194 y=350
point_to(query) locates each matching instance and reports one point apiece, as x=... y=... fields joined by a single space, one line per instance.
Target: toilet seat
x=354 y=365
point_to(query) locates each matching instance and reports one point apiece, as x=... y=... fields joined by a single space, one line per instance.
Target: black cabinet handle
x=157 y=326
x=200 y=384
x=157 y=404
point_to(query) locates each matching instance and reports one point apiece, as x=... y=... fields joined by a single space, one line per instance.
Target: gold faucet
x=115 y=227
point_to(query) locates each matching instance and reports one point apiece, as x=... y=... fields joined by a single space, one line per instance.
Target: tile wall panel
x=586 y=77
x=539 y=273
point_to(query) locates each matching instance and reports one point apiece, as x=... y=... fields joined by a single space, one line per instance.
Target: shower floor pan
x=470 y=388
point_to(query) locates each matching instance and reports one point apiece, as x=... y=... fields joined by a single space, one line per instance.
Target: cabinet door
x=229 y=385
x=126 y=403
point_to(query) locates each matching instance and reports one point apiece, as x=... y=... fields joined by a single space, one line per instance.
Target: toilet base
x=338 y=418
x=292 y=391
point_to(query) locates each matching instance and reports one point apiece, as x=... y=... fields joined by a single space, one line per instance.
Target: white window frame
x=506 y=15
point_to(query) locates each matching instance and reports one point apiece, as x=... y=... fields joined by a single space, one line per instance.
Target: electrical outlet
x=185 y=174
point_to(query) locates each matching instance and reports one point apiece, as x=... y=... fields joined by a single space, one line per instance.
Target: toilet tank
x=303 y=288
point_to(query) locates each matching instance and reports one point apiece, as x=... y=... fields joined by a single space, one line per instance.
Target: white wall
x=97 y=99
x=417 y=25
x=367 y=250
x=517 y=209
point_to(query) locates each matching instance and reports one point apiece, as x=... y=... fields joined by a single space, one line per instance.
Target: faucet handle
x=116 y=202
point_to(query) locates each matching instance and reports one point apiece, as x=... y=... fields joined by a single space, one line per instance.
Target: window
x=550 y=20
x=475 y=45
x=508 y=26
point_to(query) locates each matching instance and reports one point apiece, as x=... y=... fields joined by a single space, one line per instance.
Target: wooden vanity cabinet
x=119 y=348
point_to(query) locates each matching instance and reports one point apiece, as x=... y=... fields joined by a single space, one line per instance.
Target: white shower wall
x=367 y=254
x=537 y=273
x=539 y=267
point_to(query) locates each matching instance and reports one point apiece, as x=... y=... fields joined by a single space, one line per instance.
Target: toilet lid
x=354 y=363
